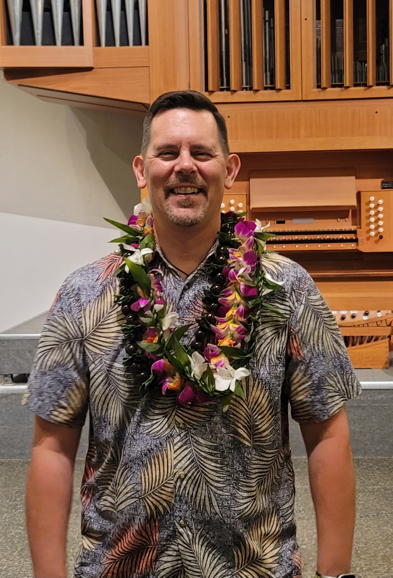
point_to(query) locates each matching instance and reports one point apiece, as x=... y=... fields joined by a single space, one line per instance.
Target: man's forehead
x=199 y=125
x=181 y=118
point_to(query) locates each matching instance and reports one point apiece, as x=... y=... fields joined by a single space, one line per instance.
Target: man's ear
x=233 y=167
x=138 y=167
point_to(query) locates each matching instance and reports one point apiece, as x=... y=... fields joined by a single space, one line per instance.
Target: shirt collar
x=177 y=271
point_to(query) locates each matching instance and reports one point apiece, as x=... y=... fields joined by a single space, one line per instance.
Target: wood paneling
x=370 y=355
x=371 y=44
x=169 y=46
x=235 y=67
x=121 y=57
x=257 y=44
x=87 y=101
x=115 y=83
x=363 y=124
x=3 y=26
x=348 y=43
x=326 y=67
x=195 y=32
x=356 y=295
x=212 y=33
x=46 y=56
x=279 y=44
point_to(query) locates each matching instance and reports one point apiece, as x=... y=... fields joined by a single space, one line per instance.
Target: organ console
x=344 y=238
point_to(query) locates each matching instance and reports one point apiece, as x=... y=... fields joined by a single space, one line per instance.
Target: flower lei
x=212 y=365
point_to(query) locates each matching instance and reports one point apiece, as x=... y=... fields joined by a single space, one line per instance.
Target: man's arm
x=332 y=484
x=49 y=495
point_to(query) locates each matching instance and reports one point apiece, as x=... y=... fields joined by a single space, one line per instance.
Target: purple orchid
x=190 y=397
x=139 y=304
x=250 y=258
x=248 y=291
x=211 y=351
x=132 y=221
x=245 y=228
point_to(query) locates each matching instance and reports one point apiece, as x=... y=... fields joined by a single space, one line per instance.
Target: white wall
x=62 y=170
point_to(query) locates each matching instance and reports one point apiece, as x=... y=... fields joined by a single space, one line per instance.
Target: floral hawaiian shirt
x=175 y=491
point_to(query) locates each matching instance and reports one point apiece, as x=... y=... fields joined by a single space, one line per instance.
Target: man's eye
x=167 y=154
x=202 y=155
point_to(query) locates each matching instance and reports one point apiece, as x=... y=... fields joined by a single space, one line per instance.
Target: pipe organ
x=58 y=22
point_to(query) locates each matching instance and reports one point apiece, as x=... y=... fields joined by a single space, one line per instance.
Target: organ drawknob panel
x=376 y=213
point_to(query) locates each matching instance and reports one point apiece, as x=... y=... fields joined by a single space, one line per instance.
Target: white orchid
x=273 y=281
x=226 y=377
x=138 y=256
x=198 y=364
x=170 y=320
x=143 y=207
x=260 y=228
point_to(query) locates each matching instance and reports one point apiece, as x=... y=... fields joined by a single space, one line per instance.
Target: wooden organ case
x=342 y=235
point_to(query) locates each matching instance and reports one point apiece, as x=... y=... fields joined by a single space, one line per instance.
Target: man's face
x=185 y=168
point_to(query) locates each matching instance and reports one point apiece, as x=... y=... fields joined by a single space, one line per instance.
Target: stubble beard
x=186 y=220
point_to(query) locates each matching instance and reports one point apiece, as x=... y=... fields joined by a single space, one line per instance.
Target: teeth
x=185 y=190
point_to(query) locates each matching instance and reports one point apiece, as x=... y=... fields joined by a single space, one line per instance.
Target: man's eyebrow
x=162 y=146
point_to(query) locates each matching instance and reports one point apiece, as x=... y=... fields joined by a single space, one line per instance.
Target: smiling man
x=188 y=348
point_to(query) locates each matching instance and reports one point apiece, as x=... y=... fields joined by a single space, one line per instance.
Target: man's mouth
x=185 y=190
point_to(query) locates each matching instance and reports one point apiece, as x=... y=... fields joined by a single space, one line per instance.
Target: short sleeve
x=58 y=383
x=320 y=376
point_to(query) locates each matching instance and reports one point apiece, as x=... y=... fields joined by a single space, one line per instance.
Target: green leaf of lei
x=132 y=231
x=239 y=390
x=148 y=242
x=149 y=347
x=234 y=352
x=126 y=240
x=178 y=352
x=139 y=275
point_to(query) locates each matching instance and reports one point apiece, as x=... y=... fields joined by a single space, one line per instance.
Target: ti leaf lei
x=213 y=364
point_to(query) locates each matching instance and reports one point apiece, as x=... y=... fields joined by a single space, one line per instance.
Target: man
x=175 y=487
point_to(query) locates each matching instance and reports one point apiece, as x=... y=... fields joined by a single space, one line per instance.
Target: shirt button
x=182 y=523
x=181 y=475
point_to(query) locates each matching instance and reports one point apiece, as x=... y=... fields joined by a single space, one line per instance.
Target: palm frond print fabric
x=188 y=492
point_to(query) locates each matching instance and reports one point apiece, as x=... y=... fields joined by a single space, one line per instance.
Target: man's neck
x=186 y=248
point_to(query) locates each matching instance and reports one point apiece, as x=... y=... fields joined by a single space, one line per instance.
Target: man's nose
x=185 y=163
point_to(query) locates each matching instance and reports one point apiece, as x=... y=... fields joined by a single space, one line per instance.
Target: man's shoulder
x=89 y=281
x=282 y=268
